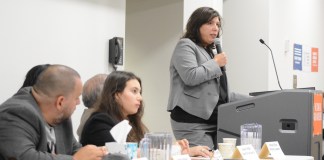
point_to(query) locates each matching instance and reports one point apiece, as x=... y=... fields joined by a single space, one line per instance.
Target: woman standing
x=198 y=84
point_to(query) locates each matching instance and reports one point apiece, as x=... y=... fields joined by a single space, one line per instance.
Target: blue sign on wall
x=298 y=50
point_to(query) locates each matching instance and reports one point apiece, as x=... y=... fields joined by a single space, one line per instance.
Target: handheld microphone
x=274 y=64
x=219 y=50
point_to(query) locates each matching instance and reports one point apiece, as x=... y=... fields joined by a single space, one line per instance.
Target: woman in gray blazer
x=197 y=80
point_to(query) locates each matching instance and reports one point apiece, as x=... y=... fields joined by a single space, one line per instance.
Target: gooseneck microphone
x=274 y=64
x=219 y=50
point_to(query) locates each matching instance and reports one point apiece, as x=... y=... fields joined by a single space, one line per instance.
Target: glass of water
x=156 y=146
x=251 y=133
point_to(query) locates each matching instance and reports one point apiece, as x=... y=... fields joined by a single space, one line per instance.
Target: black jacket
x=97 y=128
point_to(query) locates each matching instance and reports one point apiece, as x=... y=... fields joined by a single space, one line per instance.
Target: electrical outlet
x=287 y=46
x=294 y=81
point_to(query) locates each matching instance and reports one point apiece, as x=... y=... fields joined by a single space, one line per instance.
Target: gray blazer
x=23 y=134
x=85 y=116
x=195 y=80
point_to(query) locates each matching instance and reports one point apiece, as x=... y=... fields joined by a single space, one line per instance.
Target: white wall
x=152 y=30
x=69 y=32
x=244 y=23
x=190 y=6
x=301 y=22
x=250 y=66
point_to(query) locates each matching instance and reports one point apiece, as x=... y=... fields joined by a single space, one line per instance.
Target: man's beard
x=60 y=118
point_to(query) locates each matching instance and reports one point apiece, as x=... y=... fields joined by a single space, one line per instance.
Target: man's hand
x=90 y=152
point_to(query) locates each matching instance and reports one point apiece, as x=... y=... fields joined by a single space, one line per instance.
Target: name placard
x=217 y=155
x=272 y=148
x=245 y=152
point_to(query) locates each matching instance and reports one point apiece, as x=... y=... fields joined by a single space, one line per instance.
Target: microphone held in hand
x=219 y=50
x=274 y=64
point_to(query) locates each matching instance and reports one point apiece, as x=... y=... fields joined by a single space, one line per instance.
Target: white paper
x=217 y=155
x=143 y=158
x=114 y=147
x=181 y=157
x=120 y=131
x=275 y=150
x=248 y=152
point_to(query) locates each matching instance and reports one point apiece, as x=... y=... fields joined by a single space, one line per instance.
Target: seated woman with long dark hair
x=121 y=99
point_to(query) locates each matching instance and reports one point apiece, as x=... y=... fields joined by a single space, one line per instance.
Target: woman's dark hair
x=116 y=83
x=199 y=17
x=33 y=74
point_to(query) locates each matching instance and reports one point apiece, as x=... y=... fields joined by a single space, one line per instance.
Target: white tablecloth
x=291 y=157
x=288 y=157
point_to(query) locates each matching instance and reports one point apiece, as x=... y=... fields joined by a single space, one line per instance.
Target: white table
x=288 y=157
x=295 y=157
x=292 y=157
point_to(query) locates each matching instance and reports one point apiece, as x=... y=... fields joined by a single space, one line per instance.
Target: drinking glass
x=156 y=146
x=251 y=133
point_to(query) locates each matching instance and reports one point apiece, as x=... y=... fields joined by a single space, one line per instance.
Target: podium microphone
x=219 y=50
x=274 y=64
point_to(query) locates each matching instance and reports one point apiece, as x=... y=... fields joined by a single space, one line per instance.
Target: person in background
x=33 y=73
x=198 y=85
x=35 y=122
x=90 y=95
x=121 y=99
